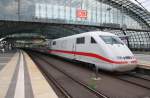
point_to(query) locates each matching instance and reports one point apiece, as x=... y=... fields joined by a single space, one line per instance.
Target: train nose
x=127 y=67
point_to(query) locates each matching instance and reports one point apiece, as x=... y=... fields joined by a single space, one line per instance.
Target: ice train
x=102 y=49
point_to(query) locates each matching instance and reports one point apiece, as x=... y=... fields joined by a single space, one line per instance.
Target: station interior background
x=26 y=22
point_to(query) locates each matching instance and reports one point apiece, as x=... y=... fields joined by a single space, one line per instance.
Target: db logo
x=81 y=13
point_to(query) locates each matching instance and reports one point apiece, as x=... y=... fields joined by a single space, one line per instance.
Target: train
x=104 y=50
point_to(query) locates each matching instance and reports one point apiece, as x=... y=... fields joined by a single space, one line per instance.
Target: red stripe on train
x=89 y=55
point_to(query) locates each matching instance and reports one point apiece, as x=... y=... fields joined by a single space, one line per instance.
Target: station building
x=121 y=17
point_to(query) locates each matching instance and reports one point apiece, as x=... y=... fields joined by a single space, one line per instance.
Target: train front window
x=111 y=40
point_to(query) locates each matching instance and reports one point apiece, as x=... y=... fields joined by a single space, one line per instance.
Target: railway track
x=140 y=75
x=77 y=88
x=136 y=79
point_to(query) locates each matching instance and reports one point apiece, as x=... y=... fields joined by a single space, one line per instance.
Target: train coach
x=103 y=49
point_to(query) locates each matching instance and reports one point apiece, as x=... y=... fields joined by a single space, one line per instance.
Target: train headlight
x=125 y=57
x=135 y=61
x=119 y=57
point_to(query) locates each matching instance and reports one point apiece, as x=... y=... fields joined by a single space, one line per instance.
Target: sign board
x=81 y=13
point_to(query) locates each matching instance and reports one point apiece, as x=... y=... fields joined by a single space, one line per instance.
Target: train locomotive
x=102 y=49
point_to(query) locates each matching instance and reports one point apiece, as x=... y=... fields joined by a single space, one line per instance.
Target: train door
x=74 y=49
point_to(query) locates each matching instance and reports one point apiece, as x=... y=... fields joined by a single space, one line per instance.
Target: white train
x=103 y=49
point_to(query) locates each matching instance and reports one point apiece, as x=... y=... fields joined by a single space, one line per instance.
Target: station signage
x=81 y=13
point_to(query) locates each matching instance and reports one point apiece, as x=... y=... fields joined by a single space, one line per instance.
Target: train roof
x=92 y=33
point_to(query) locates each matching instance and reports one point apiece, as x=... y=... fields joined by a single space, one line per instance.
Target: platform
x=20 y=78
x=143 y=60
x=5 y=58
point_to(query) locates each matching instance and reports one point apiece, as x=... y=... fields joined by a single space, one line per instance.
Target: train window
x=54 y=42
x=93 y=40
x=80 y=40
x=111 y=40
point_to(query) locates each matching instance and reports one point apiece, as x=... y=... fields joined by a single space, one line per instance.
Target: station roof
x=137 y=10
x=12 y=27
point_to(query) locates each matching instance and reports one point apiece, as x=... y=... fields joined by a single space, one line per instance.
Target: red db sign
x=81 y=13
